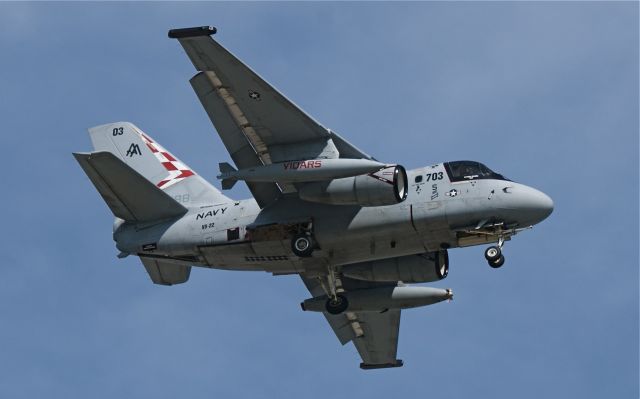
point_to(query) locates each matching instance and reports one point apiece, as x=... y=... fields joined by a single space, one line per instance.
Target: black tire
x=302 y=245
x=497 y=263
x=492 y=253
x=337 y=306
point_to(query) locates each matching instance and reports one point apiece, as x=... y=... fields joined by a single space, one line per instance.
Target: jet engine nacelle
x=423 y=268
x=387 y=186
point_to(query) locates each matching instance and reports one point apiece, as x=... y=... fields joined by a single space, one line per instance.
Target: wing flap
x=257 y=124
x=128 y=194
x=233 y=137
x=267 y=109
x=378 y=344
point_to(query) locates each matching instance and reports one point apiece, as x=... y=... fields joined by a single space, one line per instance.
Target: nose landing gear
x=493 y=254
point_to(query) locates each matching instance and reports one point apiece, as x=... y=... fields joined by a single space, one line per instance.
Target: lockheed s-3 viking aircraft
x=356 y=230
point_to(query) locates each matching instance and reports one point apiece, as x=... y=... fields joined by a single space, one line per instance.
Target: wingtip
x=365 y=366
x=192 y=32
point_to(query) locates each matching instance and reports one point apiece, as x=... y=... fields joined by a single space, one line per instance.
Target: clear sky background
x=544 y=93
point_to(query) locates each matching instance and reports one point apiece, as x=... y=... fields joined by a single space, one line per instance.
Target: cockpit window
x=470 y=170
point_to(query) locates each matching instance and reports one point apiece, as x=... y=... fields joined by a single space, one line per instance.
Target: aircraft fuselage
x=437 y=214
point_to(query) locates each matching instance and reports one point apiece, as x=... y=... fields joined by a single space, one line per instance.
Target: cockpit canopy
x=470 y=170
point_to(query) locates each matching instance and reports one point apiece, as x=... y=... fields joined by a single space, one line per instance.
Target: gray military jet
x=356 y=230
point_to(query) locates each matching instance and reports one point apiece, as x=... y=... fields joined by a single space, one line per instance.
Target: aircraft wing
x=374 y=334
x=257 y=124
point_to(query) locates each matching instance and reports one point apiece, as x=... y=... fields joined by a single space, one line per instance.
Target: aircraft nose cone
x=546 y=205
x=523 y=204
x=534 y=205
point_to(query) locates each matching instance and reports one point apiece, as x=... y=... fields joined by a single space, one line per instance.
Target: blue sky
x=546 y=94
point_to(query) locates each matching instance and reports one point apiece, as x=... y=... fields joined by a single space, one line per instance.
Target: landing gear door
x=276 y=238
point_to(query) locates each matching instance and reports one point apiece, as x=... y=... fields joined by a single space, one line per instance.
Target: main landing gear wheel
x=492 y=254
x=302 y=245
x=337 y=305
x=497 y=263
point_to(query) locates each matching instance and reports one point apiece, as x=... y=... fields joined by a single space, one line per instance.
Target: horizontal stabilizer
x=129 y=195
x=226 y=168
x=166 y=273
x=227 y=184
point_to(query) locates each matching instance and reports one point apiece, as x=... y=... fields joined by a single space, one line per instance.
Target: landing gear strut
x=493 y=254
x=336 y=302
x=337 y=305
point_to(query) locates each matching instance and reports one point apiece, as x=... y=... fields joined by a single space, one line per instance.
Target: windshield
x=470 y=170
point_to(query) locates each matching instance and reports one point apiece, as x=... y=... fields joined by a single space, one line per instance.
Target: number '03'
x=118 y=131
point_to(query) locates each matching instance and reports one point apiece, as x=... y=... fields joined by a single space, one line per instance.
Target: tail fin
x=227 y=184
x=148 y=158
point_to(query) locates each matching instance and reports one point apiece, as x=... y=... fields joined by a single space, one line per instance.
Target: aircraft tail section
x=149 y=159
x=129 y=195
x=227 y=184
x=166 y=272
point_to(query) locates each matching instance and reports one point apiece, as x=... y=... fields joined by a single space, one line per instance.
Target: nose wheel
x=493 y=254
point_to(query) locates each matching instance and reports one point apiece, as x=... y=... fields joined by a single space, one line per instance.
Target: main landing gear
x=302 y=245
x=337 y=305
x=493 y=254
x=336 y=302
